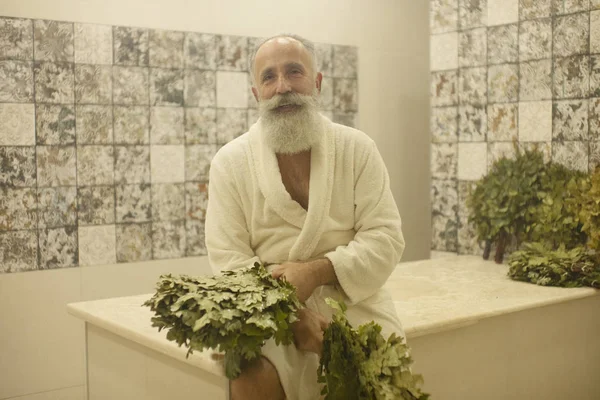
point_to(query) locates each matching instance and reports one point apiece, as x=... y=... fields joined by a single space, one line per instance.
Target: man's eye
x=267 y=78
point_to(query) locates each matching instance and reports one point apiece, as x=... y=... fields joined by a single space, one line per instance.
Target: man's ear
x=318 y=81
x=255 y=93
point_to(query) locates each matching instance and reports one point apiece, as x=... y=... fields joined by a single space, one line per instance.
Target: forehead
x=281 y=51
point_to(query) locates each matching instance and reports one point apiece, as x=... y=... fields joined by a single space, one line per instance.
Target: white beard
x=291 y=132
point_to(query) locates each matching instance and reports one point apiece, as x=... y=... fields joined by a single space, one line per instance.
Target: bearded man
x=311 y=197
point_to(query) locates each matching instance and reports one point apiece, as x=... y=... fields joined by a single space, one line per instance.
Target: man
x=311 y=197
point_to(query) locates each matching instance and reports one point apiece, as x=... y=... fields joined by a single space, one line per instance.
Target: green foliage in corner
x=589 y=213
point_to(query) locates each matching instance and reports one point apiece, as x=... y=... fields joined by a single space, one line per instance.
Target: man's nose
x=283 y=85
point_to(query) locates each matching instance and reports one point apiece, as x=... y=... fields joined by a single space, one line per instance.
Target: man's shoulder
x=233 y=152
x=350 y=134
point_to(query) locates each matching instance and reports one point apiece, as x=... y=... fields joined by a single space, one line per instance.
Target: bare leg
x=258 y=381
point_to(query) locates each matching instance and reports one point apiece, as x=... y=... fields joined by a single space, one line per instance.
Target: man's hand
x=308 y=331
x=302 y=275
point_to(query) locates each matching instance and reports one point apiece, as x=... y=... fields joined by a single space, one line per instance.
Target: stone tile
x=472 y=86
x=345 y=62
x=536 y=80
x=168 y=239
x=572 y=155
x=166 y=87
x=93 y=44
x=94 y=124
x=196 y=200
x=569 y=6
x=231 y=123
x=166 y=49
x=96 y=205
x=502 y=12
x=132 y=125
x=54 y=83
x=594 y=159
x=55 y=124
x=503 y=44
x=195 y=238
x=130 y=46
x=166 y=125
x=167 y=164
x=200 y=125
x=132 y=164
x=571 y=35
x=326 y=95
x=503 y=83
x=535 y=39
x=499 y=150
x=571 y=77
x=53 y=40
x=97 y=245
x=530 y=9
x=133 y=203
x=595 y=32
x=197 y=161
x=467 y=234
x=345 y=95
x=130 y=86
x=535 y=121
x=594 y=4
x=200 y=51
x=20 y=251
x=544 y=147
x=443 y=51
x=59 y=248
x=444 y=124
x=17 y=166
x=472 y=161
x=502 y=122
x=472 y=13
x=231 y=89
x=18 y=209
x=444 y=88
x=200 y=88
x=16 y=39
x=232 y=53
x=56 y=166
x=348 y=119
x=93 y=84
x=443 y=16
x=168 y=201
x=95 y=165
x=570 y=120
x=444 y=160
x=595 y=76
x=444 y=204
x=17 y=124
x=16 y=81
x=324 y=52
x=594 y=118
x=472 y=123
x=134 y=242
x=57 y=207
x=472 y=48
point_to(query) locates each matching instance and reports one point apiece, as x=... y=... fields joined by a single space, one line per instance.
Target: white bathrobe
x=352 y=220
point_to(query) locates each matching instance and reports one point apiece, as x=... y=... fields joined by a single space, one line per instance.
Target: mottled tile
x=195 y=238
x=502 y=44
x=594 y=4
x=502 y=12
x=132 y=164
x=166 y=125
x=196 y=200
x=535 y=121
x=134 y=242
x=569 y=6
x=348 y=119
x=536 y=80
x=55 y=124
x=232 y=53
x=96 y=205
x=498 y=151
x=345 y=95
x=530 y=9
x=535 y=39
x=94 y=124
x=326 y=95
x=231 y=89
x=572 y=155
x=472 y=123
x=472 y=48
x=502 y=122
x=595 y=76
x=570 y=120
x=345 y=62
x=200 y=88
x=200 y=126
x=324 y=54
x=472 y=86
x=19 y=251
x=17 y=166
x=168 y=201
x=571 y=35
x=197 y=161
x=443 y=51
x=16 y=81
x=200 y=51
x=93 y=84
x=444 y=124
x=444 y=88
x=503 y=83
x=57 y=207
x=594 y=161
x=167 y=164
x=472 y=13
x=166 y=87
x=571 y=77
x=444 y=160
x=168 y=239
x=17 y=124
x=444 y=205
x=231 y=123
x=97 y=245
x=595 y=32
x=93 y=44
x=130 y=46
x=95 y=165
x=130 y=85
x=53 y=40
x=18 y=209
x=56 y=166
x=443 y=16
x=16 y=39
x=133 y=203
x=467 y=234
x=132 y=125
x=166 y=49
x=59 y=248
x=472 y=161
x=54 y=83
x=594 y=118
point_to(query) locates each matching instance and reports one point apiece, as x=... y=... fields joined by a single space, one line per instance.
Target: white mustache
x=286 y=99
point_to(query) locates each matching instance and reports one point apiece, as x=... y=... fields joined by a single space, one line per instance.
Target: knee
x=258 y=381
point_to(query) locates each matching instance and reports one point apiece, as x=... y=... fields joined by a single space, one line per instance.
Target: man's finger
x=277 y=272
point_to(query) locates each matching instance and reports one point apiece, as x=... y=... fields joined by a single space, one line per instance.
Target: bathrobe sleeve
x=365 y=264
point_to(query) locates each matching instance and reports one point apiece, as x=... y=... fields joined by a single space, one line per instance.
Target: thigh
x=259 y=381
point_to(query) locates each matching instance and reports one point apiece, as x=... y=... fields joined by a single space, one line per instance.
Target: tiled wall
x=107 y=132
x=504 y=69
